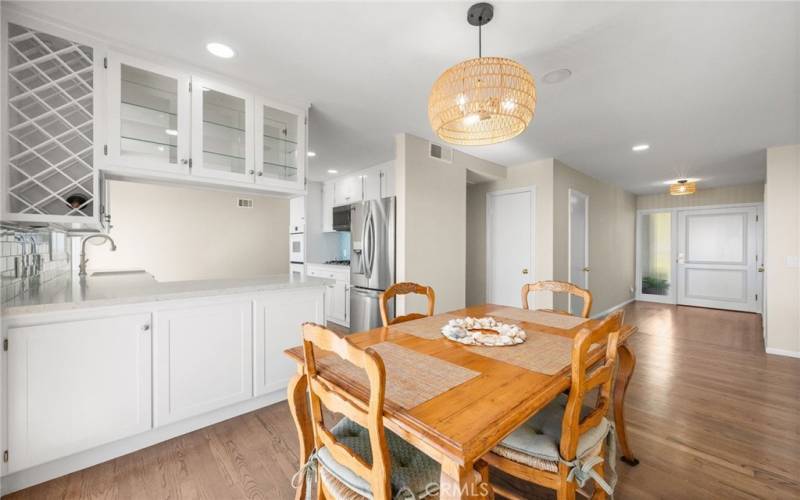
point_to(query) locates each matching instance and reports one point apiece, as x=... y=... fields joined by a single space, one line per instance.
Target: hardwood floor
x=709 y=416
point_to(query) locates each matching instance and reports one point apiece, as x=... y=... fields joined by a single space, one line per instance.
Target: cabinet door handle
x=260 y=173
x=146 y=327
x=252 y=172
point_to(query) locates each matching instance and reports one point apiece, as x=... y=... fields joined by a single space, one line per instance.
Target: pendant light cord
x=480 y=31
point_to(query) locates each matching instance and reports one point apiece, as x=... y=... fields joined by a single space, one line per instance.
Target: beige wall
x=612 y=225
x=432 y=220
x=538 y=174
x=782 y=245
x=612 y=244
x=179 y=233
x=745 y=193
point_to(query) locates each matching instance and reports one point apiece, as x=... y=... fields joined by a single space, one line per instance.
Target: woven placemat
x=411 y=377
x=425 y=328
x=551 y=319
x=541 y=352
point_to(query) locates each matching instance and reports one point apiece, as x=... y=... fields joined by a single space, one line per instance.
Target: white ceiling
x=707 y=85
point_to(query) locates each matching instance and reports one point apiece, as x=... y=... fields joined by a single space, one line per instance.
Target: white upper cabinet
x=348 y=190
x=222 y=132
x=148 y=116
x=280 y=145
x=50 y=99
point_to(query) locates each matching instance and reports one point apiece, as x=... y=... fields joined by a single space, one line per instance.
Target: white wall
x=728 y=195
x=538 y=174
x=612 y=242
x=179 y=233
x=782 y=245
x=432 y=220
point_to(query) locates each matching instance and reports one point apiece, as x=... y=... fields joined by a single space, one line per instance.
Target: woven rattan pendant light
x=682 y=187
x=482 y=101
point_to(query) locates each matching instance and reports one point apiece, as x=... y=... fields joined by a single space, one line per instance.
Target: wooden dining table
x=457 y=427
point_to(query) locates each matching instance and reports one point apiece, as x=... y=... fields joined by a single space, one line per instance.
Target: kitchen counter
x=71 y=293
x=337 y=267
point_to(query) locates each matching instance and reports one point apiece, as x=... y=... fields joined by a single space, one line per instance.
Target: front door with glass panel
x=280 y=145
x=221 y=132
x=149 y=109
x=717 y=258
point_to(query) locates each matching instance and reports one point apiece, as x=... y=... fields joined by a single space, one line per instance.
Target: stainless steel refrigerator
x=372 y=252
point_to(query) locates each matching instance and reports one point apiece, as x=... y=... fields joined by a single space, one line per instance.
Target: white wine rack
x=50 y=124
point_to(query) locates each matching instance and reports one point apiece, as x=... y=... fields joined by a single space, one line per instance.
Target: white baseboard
x=612 y=308
x=783 y=352
x=51 y=470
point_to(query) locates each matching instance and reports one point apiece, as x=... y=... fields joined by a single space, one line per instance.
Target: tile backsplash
x=28 y=258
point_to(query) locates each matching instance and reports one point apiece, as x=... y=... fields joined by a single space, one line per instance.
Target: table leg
x=462 y=482
x=298 y=405
x=627 y=361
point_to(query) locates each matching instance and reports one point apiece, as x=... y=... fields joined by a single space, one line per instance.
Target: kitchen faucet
x=84 y=260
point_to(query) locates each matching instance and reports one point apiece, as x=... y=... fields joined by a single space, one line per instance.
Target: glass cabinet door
x=280 y=146
x=150 y=122
x=221 y=132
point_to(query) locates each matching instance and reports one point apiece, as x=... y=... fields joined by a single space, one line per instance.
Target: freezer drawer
x=365 y=312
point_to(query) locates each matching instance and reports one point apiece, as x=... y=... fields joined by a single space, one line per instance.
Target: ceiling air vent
x=440 y=152
x=244 y=203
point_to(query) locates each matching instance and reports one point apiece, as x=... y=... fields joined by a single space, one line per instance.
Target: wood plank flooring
x=709 y=416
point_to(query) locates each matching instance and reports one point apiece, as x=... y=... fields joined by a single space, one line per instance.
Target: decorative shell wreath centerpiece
x=483 y=331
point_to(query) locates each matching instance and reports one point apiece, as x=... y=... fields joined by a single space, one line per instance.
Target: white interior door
x=578 y=246
x=509 y=245
x=718 y=258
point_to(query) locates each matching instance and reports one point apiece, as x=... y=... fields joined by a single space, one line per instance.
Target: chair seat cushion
x=412 y=471
x=536 y=442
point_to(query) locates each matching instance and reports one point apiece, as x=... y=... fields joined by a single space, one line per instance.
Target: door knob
x=761 y=269
x=586 y=269
x=252 y=172
x=525 y=271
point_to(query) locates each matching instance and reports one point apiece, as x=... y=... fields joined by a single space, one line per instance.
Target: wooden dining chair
x=404 y=289
x=357 y=457
x=558 y=286
x=565 y=442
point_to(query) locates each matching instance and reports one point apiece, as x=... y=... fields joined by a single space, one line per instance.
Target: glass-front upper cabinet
x=222 y=132
x=280 y=145
x=149 y=125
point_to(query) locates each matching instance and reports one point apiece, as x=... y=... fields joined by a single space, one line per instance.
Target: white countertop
x=336 y=267
x=70 y=292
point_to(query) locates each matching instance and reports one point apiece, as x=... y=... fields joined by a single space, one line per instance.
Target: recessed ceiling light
x=640 y=147
x=557 y=76
x=311 y=154
x=332 y=171
x=220 y=50
x=171 y=131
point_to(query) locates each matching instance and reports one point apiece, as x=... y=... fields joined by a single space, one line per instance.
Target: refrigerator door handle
x=371 y=238
x=364 y=250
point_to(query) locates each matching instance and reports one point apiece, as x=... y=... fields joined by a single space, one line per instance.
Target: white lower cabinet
x=278 y=321
x=337 y=295
x=83 y=388
x=77 y=384
x=203 y=358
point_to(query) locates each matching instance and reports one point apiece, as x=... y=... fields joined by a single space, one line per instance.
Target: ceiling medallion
x=482 y=101
x=682 y=187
